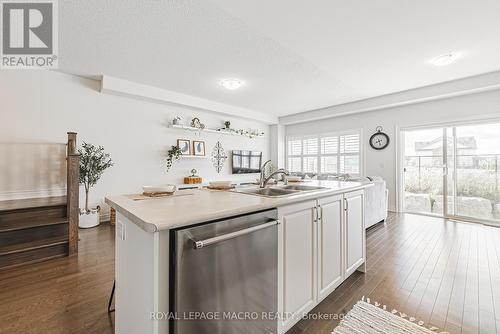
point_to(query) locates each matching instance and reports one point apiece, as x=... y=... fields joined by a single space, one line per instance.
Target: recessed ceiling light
x=231 y=83
x=446 y=59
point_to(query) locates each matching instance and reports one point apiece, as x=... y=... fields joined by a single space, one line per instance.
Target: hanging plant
x=173 y=154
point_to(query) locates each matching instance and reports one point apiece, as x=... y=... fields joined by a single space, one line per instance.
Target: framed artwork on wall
x=185 y=146
x=198 y=147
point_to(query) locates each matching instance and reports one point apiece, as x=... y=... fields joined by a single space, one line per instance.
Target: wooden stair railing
x=38 y=229
x=72 y=189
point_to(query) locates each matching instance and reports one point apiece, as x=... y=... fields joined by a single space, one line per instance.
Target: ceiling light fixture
x=445 y=59
x=231 y=83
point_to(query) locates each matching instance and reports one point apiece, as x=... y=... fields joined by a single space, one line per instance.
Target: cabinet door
x=330 y=245
x=355 y=231
x=297 y=261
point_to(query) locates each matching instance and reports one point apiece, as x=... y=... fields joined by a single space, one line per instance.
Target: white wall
x=41 y=106
x=476 y=106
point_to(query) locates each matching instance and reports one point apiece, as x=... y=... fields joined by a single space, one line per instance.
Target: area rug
x=367 y=318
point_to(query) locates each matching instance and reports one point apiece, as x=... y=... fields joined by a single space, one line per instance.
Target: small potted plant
x=173 y=154
x=93 y=162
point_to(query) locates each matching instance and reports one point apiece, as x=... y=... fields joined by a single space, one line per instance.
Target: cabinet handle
x=346 y=206
x=210 y=241
x=315 y=214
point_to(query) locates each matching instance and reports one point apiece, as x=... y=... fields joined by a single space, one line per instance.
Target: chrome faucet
x=263 y=181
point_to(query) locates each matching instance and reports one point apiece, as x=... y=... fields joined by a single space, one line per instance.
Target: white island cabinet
x=321 y=243
x=297 y=246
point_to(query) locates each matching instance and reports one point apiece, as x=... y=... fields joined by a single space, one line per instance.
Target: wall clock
x=379 y=140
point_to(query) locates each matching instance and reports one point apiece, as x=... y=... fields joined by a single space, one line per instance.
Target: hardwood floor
x=65 y=295
x=444 y=273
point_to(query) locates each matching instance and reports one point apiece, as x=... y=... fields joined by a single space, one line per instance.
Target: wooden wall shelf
x=221 y=131
x=194 y=156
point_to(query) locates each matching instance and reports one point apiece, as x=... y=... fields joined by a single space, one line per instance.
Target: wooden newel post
x=71 y=143
x=72 y=188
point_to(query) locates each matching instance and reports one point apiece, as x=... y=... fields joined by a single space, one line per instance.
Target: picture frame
x=199 y=148
x=185 y=146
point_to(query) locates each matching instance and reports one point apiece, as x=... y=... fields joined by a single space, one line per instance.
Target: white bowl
x=220 y=183
x=166 y=188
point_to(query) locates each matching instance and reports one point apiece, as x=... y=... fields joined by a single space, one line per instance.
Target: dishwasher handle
x=210 y=241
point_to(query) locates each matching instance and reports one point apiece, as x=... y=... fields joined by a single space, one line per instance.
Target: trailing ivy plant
x=173 y=155
x=93 y=162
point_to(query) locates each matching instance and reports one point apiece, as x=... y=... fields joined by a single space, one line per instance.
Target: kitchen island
x=320 y=242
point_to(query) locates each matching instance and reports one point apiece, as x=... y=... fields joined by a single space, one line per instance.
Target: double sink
x=279 y=191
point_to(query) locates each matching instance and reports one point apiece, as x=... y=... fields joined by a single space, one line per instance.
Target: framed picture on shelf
x=185 y=146
x=198 y=147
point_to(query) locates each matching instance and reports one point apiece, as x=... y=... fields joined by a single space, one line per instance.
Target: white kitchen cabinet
x=321 y=243
x=354 y=236
x=330 y=245
x=296 y=262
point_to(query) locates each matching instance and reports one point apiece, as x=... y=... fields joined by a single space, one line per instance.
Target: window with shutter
x=333 y=153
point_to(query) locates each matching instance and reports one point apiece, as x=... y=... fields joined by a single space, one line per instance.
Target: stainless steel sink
x=278 y=191
x=267 y=192
x=301 y=187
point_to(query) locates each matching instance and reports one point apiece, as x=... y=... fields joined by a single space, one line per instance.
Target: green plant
x=173 y=155
x=93 y=162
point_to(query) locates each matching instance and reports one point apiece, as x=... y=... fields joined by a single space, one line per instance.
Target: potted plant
x=173 y=155
x=93 y=162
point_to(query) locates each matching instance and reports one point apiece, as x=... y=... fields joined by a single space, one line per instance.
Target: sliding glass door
x=453 y=171
x=423 y=171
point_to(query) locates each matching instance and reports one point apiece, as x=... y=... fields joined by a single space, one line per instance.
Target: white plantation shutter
x=329 y=153
x=310 y=165
x=329 y=164
x=310 y=146
x=350 y=154
x=349 y=143
x=295 y=147
x=329 y=145
x=294 y=164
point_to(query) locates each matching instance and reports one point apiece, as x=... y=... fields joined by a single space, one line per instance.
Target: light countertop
x=198 y=206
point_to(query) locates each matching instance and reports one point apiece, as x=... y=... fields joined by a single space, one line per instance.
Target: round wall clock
x=379 y=140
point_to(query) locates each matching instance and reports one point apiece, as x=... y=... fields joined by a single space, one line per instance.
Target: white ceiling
x=294 y=55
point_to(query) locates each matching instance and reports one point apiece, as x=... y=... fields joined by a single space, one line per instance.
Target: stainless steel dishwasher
x=224 y=276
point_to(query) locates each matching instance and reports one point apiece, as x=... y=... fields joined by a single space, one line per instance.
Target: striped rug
x=366 y=318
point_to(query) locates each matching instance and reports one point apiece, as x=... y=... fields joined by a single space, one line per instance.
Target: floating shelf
x=195 y=156
x=221 y=131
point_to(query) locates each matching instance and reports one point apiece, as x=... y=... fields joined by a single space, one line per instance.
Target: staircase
x=39 y=229
x=33 y=230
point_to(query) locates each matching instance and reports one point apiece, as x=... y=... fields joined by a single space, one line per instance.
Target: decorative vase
x=177 y=120
x=89 y=219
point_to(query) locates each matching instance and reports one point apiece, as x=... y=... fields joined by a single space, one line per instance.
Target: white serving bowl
x=220 y=183
x=165 y=188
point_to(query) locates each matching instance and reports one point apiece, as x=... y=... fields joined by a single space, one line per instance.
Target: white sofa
x=377 y=198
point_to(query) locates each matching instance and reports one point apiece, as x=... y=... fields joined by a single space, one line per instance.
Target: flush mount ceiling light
x=231 y=83
x=445 y=59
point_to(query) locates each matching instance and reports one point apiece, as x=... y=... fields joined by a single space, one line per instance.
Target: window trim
x=338 y=155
